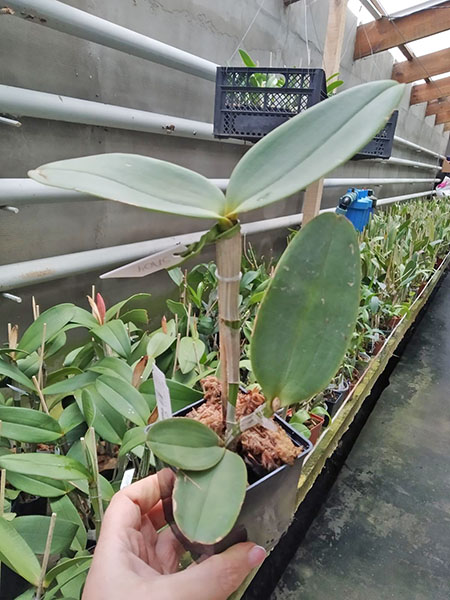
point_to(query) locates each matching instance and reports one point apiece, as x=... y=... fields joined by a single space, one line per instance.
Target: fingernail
x=256 y=556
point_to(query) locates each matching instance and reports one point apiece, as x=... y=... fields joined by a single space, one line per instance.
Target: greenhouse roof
x=417 y=34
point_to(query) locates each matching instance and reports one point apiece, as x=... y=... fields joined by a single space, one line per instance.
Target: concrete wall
x=38 y=58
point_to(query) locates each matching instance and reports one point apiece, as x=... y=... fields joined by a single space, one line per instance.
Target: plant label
x=150 y=264
x=162 y=394
x=257 y=418
x=127 y=478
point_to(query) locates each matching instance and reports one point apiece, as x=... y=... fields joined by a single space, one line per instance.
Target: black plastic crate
x=247 y=112
x=381 y=145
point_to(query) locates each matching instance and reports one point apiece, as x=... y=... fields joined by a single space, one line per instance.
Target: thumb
x=218 y=576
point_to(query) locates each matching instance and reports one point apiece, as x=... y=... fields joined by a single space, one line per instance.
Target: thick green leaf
x=108 y=423
x=66 y=564
x=55 y=344
x=137 y=316
x=38 y=486
x=65 y=509
x=10 y=370
x=34 y=530
x=115 y=335
x=180 y=395
x=55 y=319
x=248 y=62
x=190 y=352
x=84 y=318
x=310 y=145
x=71 y=384
x=132 y=438
x=30 y=364
x=62 y=374
x=140 y=300
x=71 y=417
x=207 y=503
x=18 y=553
x=308 y=314
x=124 y=398
x=137 y=180
x=159 y=341
x=185 y=443
x=301 y=428
x=41 y=464
x=27 y=425
x=113 y=366
x=177 y=308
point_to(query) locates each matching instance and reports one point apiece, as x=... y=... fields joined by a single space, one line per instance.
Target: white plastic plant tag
x=127 y=478
x=162 y=394
x=257 y=418
x=150 y=264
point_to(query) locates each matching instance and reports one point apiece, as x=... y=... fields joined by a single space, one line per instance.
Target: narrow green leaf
x=124 y=398
x=41 y=464
x=159 y=341
x=55 y=319
x=308 y=315
x=248 y=62
x=140 y=300
x=113 y=366
x=71 y=384
x=132 y=438
x=108 y=423
x=55 y=344
x=115 y=335
x=137 y=180
x=84 y=318
x=137 y=316
x=64 y=565
x=18 y=553
x=62 y=374
x=65 y=509
x=71 y=417
x=189 y=353
x=10 y=370
x=310 y=145
x=27 y=425
x=38 y=486
x=34 y=530
x=185 y=443
x=207 y=503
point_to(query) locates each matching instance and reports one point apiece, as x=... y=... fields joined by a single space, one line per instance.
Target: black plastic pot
x=334 y=402
x=268 y=507
x=381 y=145
x=246 y=112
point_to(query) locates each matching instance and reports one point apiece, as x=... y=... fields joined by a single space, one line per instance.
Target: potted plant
x=299 y=338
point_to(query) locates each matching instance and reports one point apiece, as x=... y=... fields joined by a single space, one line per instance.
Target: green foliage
x=207 y=503
x=27 y=425
x=186 y=444
x=313 y=299
x=44 y=465
x=298 y=152
x=17 y=554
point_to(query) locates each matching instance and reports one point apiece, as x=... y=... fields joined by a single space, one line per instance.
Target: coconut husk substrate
x=261 y=446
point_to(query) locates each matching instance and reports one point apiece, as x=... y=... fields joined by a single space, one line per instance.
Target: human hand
x=132 y=561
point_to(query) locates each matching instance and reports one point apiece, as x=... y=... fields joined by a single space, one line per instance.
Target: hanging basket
x=381 y=145
x=246 y=111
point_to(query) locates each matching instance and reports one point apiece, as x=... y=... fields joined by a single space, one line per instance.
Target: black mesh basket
x=248 y=112
x=381 y=145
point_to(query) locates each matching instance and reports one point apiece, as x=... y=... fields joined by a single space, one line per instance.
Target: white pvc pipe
x=26 y=191
x=32 y=272
x=78 y=23
x=30 y=103
x=402 y=142
x=393 y=160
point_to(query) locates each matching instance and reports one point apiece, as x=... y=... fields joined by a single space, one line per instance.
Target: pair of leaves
x=210 y=482
x=287 y=160
x=41 y=464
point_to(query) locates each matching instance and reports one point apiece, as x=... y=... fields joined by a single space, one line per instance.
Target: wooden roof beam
x=430 y=91
x=437 y=106
x=421 y=67
x=386 y=32
x=442 y=117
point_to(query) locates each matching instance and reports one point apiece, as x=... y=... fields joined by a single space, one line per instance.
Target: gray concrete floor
x=384 y=530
